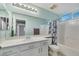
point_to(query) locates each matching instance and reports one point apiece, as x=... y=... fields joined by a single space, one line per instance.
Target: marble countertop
x=22 y=40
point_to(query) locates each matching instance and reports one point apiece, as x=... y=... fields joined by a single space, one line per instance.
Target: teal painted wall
x=3 y=13
x=32 y=20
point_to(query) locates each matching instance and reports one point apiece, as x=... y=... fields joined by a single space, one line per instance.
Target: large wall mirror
x=4 y=27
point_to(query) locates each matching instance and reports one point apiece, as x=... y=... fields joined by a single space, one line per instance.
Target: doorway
x=20 y=27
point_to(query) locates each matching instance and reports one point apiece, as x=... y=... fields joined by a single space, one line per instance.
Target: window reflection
x=4 y=23
x=69 y=16
x=4 y=27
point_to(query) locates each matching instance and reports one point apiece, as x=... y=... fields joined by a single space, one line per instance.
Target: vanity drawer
x=25 y=47
x=44 y=43
x=22 y=48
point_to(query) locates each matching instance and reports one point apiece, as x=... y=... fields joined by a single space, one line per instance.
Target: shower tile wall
x=69 y=33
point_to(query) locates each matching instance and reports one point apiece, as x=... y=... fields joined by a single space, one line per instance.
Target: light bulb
x=35 y=10
x=25 y=6
x=20 y=4
x=28 y=6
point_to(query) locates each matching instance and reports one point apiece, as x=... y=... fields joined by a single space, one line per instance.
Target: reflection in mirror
x=20 y=26
x=4 y=27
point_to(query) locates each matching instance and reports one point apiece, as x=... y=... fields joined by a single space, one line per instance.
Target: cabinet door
x=37 y=51
x=44 y=50
x=41 y=51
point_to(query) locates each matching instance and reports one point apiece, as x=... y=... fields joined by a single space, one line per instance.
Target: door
x=20 y=29
x=44 y=50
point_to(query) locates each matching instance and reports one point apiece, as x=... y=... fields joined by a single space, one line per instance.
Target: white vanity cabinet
x=8 y=51
x=39 y=48
x=39 y=51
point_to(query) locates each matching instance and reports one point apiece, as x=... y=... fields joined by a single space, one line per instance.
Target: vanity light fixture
x=26 y=7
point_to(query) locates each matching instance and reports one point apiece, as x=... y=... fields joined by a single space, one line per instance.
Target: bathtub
x=62 y=50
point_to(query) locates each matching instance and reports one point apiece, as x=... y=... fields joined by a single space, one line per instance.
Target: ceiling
x=61 y=8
